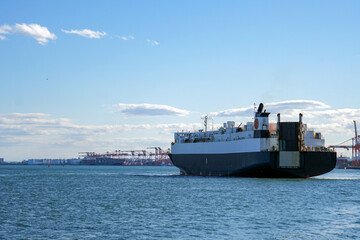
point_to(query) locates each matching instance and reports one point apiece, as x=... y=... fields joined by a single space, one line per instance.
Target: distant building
x=72 y=161
x=2 y=161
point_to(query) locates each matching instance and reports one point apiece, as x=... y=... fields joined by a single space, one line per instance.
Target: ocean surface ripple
x=93 y=202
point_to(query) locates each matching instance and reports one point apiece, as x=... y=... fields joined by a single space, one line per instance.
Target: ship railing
x=315 y=149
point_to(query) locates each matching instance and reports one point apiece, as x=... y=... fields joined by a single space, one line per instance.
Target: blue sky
x=103 y=75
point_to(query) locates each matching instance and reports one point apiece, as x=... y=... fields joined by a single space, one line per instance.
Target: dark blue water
x=80 y=202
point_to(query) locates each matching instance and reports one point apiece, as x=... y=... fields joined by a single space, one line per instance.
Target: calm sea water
x=91 y=202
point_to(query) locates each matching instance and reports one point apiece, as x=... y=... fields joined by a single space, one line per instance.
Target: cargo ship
x=257 y=149
x=342 y=162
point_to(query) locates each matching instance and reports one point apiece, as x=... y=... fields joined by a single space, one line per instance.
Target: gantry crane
x=356 y=148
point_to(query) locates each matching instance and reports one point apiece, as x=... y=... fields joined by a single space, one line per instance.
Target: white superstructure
x=235 y=138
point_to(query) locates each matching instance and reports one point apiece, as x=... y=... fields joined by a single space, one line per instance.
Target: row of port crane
x=135 y=155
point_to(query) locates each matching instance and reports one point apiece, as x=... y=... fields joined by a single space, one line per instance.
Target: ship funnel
x=260 y=108
x=261 y=121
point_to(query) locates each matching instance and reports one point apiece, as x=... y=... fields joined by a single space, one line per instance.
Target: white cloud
x=39 y=33
x=334 y=121
x=86 y=33
x=40 y=124
x=296 y=105
x=38 y=135
x=126 y=38
x=284 y=107
x=146 y=109
x=4 y=29
x=152 y=42
x=233 y=112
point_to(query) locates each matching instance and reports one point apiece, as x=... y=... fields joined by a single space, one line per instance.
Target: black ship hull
x=254 y=164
